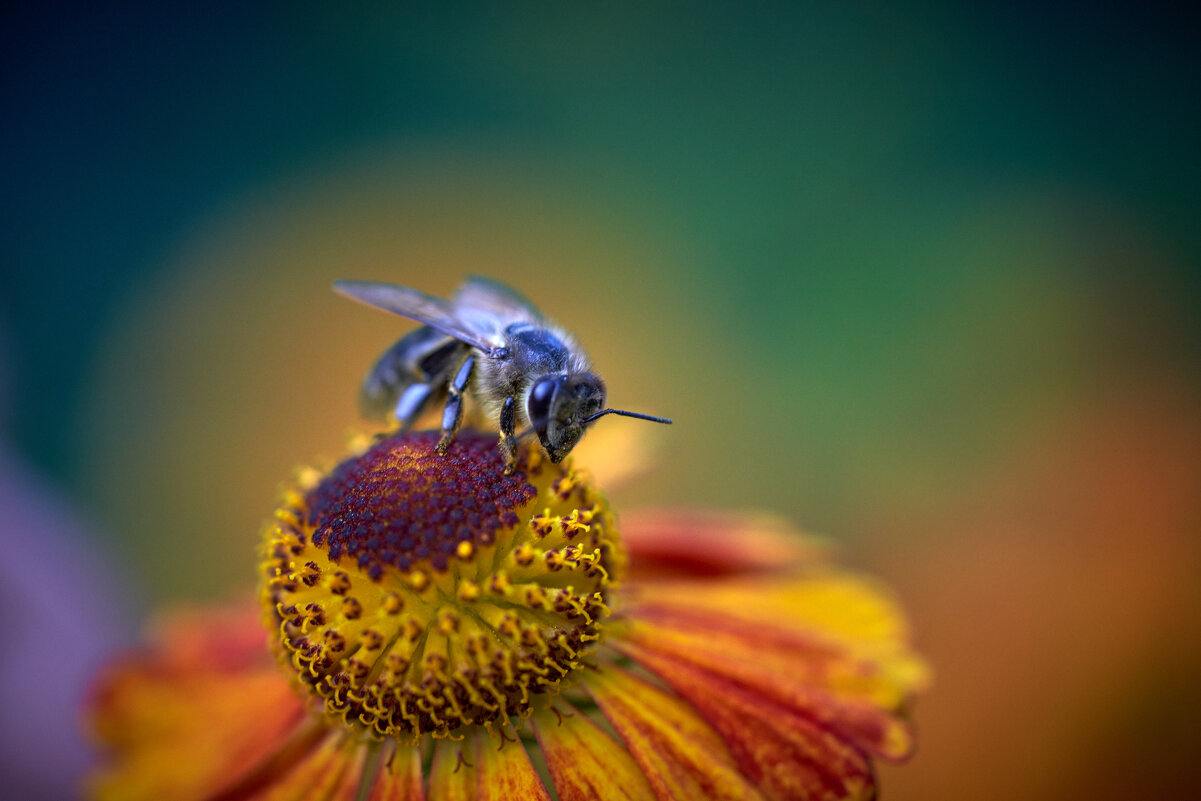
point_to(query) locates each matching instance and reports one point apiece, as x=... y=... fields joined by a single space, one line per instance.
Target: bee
x=491 y=343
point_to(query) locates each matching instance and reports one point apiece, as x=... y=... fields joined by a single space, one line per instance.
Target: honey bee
x=491 y=343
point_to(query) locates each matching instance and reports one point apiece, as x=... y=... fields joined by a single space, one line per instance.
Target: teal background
x=814 y=157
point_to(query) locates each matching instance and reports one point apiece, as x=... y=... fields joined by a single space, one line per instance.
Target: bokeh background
x=922 y=277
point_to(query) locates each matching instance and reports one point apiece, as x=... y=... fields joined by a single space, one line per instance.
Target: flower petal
x=828 y=647
x=788 y=756
x=453 y=773
x=843 y=606
x=333 y=771
x=506 y=773
x=677 y=542
x=681 y=756
x=584 y=762
x=151 y=708
x=399 y=779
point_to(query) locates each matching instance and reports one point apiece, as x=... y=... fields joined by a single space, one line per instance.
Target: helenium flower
x=436 y=629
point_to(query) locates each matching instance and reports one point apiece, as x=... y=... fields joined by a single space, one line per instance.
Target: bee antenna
x=624 y=413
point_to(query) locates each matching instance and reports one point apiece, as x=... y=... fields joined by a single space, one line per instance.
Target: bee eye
x=538 y=405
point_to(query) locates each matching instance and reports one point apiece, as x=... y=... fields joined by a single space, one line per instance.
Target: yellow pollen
x=392 y=603
x=418 y=580
x=448 y=622
x=542 y=524
x=524 y=555
x=469 y=591
x=576 y=523
x=339 y=583
x=307 y=478
x=564 y=485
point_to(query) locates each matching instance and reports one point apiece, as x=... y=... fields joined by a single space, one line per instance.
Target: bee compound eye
x=538 y=405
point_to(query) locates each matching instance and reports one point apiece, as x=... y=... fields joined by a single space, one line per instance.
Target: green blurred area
x=924 y=279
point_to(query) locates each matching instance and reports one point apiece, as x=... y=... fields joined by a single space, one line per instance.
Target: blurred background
x=924 y=279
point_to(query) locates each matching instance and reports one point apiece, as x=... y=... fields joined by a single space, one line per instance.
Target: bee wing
x=438 y=314
x=483 y=296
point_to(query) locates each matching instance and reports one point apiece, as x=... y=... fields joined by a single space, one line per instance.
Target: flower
x=441 y=630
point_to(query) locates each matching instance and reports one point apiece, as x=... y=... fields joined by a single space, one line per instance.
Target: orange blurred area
x=1059 y=605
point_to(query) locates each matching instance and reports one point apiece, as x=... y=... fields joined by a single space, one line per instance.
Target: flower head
x=420 y=594
x=442 y=630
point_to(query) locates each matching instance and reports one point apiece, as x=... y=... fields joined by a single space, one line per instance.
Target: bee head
x=559 y=406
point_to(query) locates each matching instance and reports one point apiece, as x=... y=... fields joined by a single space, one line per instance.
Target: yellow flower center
x=417 y=593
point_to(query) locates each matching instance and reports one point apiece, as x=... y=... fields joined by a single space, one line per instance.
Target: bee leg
x=411 y=402
x=452 y=414
x=508 y=444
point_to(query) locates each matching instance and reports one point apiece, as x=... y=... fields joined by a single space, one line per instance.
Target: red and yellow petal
x=399 y=777
x=453 y=775
x=505 y=771
x=332 y=771
x=667 y=543
x=825 y=647
x=585 y=763
x=785 y=754
x=678 y=752
x=196 y=716
x=341 y=766
x=842 y=606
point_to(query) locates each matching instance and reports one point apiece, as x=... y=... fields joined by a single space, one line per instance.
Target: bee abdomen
x=423 y=356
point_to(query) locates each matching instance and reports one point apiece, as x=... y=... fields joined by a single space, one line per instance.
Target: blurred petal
x=506 y=772
x=681 y=756
x=676 y=542
x=219 y=638
x=585 y=763
x=152 y=710
x=399 y=779
x=774 y=640
x=333 y=771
